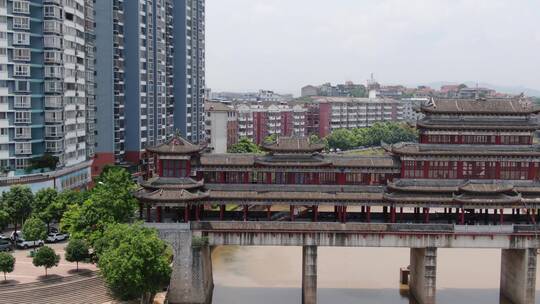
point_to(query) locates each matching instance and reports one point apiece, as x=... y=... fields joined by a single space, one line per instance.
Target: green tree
x=109 y=202
x=46 y=257
x=271 y=138
x=34 y=229
x=245 y=145
x=4 y=217
x=342 y=139
x=42 y=203
x=18 y=202
x=77 y=251
x=7 y=263
x=65 y=199
x=133 y=261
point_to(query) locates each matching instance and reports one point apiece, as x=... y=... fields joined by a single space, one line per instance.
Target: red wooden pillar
x=245 y=213
x=426 y=215
x=158 y=211
x=336 y=214
x=291 y=211
x=186 y=213
x=315 y=210
x=401 y=213
x=344 y=214
x=368 y=214
x=148 y=213
x=198 y=213
x=268 y=212
x=501 y=216
x=392 y=214
x=221 y=212
x=533 y=217
x=462 y=217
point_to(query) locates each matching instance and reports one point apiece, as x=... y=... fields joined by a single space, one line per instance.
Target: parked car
x=53 y=230
x=54 y=237
x=21 y=243
x=5 y=245
x=15 y=235
x=3 y=237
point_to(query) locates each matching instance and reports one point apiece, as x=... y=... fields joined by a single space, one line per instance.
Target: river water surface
x=272 y=275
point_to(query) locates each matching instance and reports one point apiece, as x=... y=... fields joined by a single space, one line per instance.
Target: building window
x=21 y=23
x=21 y=7
x=21 y=38
x=442 y=170
x=23 y=117
x=175 y=168
x=514 y=170
x=22 y=86
x=414 y=169
x=21 y=70
x=21 y=54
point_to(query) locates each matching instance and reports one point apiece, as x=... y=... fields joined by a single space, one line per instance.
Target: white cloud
x=284 y=44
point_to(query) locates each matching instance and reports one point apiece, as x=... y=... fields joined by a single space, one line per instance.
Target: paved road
x=26 y=272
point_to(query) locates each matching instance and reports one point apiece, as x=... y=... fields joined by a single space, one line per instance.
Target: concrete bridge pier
x=191 y=279
x=518 y=275
x=309 y=274
x=422 y=283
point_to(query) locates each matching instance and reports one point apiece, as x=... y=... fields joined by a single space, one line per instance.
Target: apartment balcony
x=54 y=146
x=24 y=102
x=53 y=102
x=23 y=149
x=54 y=116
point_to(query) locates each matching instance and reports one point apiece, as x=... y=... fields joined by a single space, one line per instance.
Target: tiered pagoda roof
x=478 y=124
x=176 y=146
x=456 y=193
x=453 y=149
x=293 y=145
x=499 y=106
x=171 y=190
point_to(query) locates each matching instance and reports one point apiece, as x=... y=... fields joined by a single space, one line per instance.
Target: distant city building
x=348 y=89
x=309 y=91
x=348 y=113
x=267 y=96
x=221 y=126
x=47 y=91
x=259 y=121
x=410 y=106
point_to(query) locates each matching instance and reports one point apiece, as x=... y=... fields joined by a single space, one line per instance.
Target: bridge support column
x=191 y=279
x=309 y=274
x=518 y=275
x=422 y=283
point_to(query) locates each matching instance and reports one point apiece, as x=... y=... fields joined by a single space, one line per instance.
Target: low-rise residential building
x=221 y=126
x=348 y=89
x=257 y=121
x=348 y=113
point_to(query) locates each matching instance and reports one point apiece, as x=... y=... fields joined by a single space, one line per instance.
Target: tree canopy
x=46 y=257
x=34 y=229
x=18 y=203
x=7 y=263
x=77 y=251
x=244 y=145
x=109 y=202
x=345 y=139
x=133 y=260
x=42 y=204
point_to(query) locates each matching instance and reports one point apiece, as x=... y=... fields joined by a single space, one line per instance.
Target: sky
x=283 y=45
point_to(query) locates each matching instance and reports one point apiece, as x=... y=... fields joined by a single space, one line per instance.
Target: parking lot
x=26 y=272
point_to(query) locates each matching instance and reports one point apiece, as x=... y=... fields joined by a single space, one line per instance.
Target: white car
x=21 y=243
x=54 y=237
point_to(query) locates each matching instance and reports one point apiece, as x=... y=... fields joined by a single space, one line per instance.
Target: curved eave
x=504 y=199
x=426 y=189
x=416 y=199
x=434 y=110
x=294 y=196
x=486 y=188
x=465 y=153
x=295 y=164
x=150 y=185
x=158 y=197
x=478 y=127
